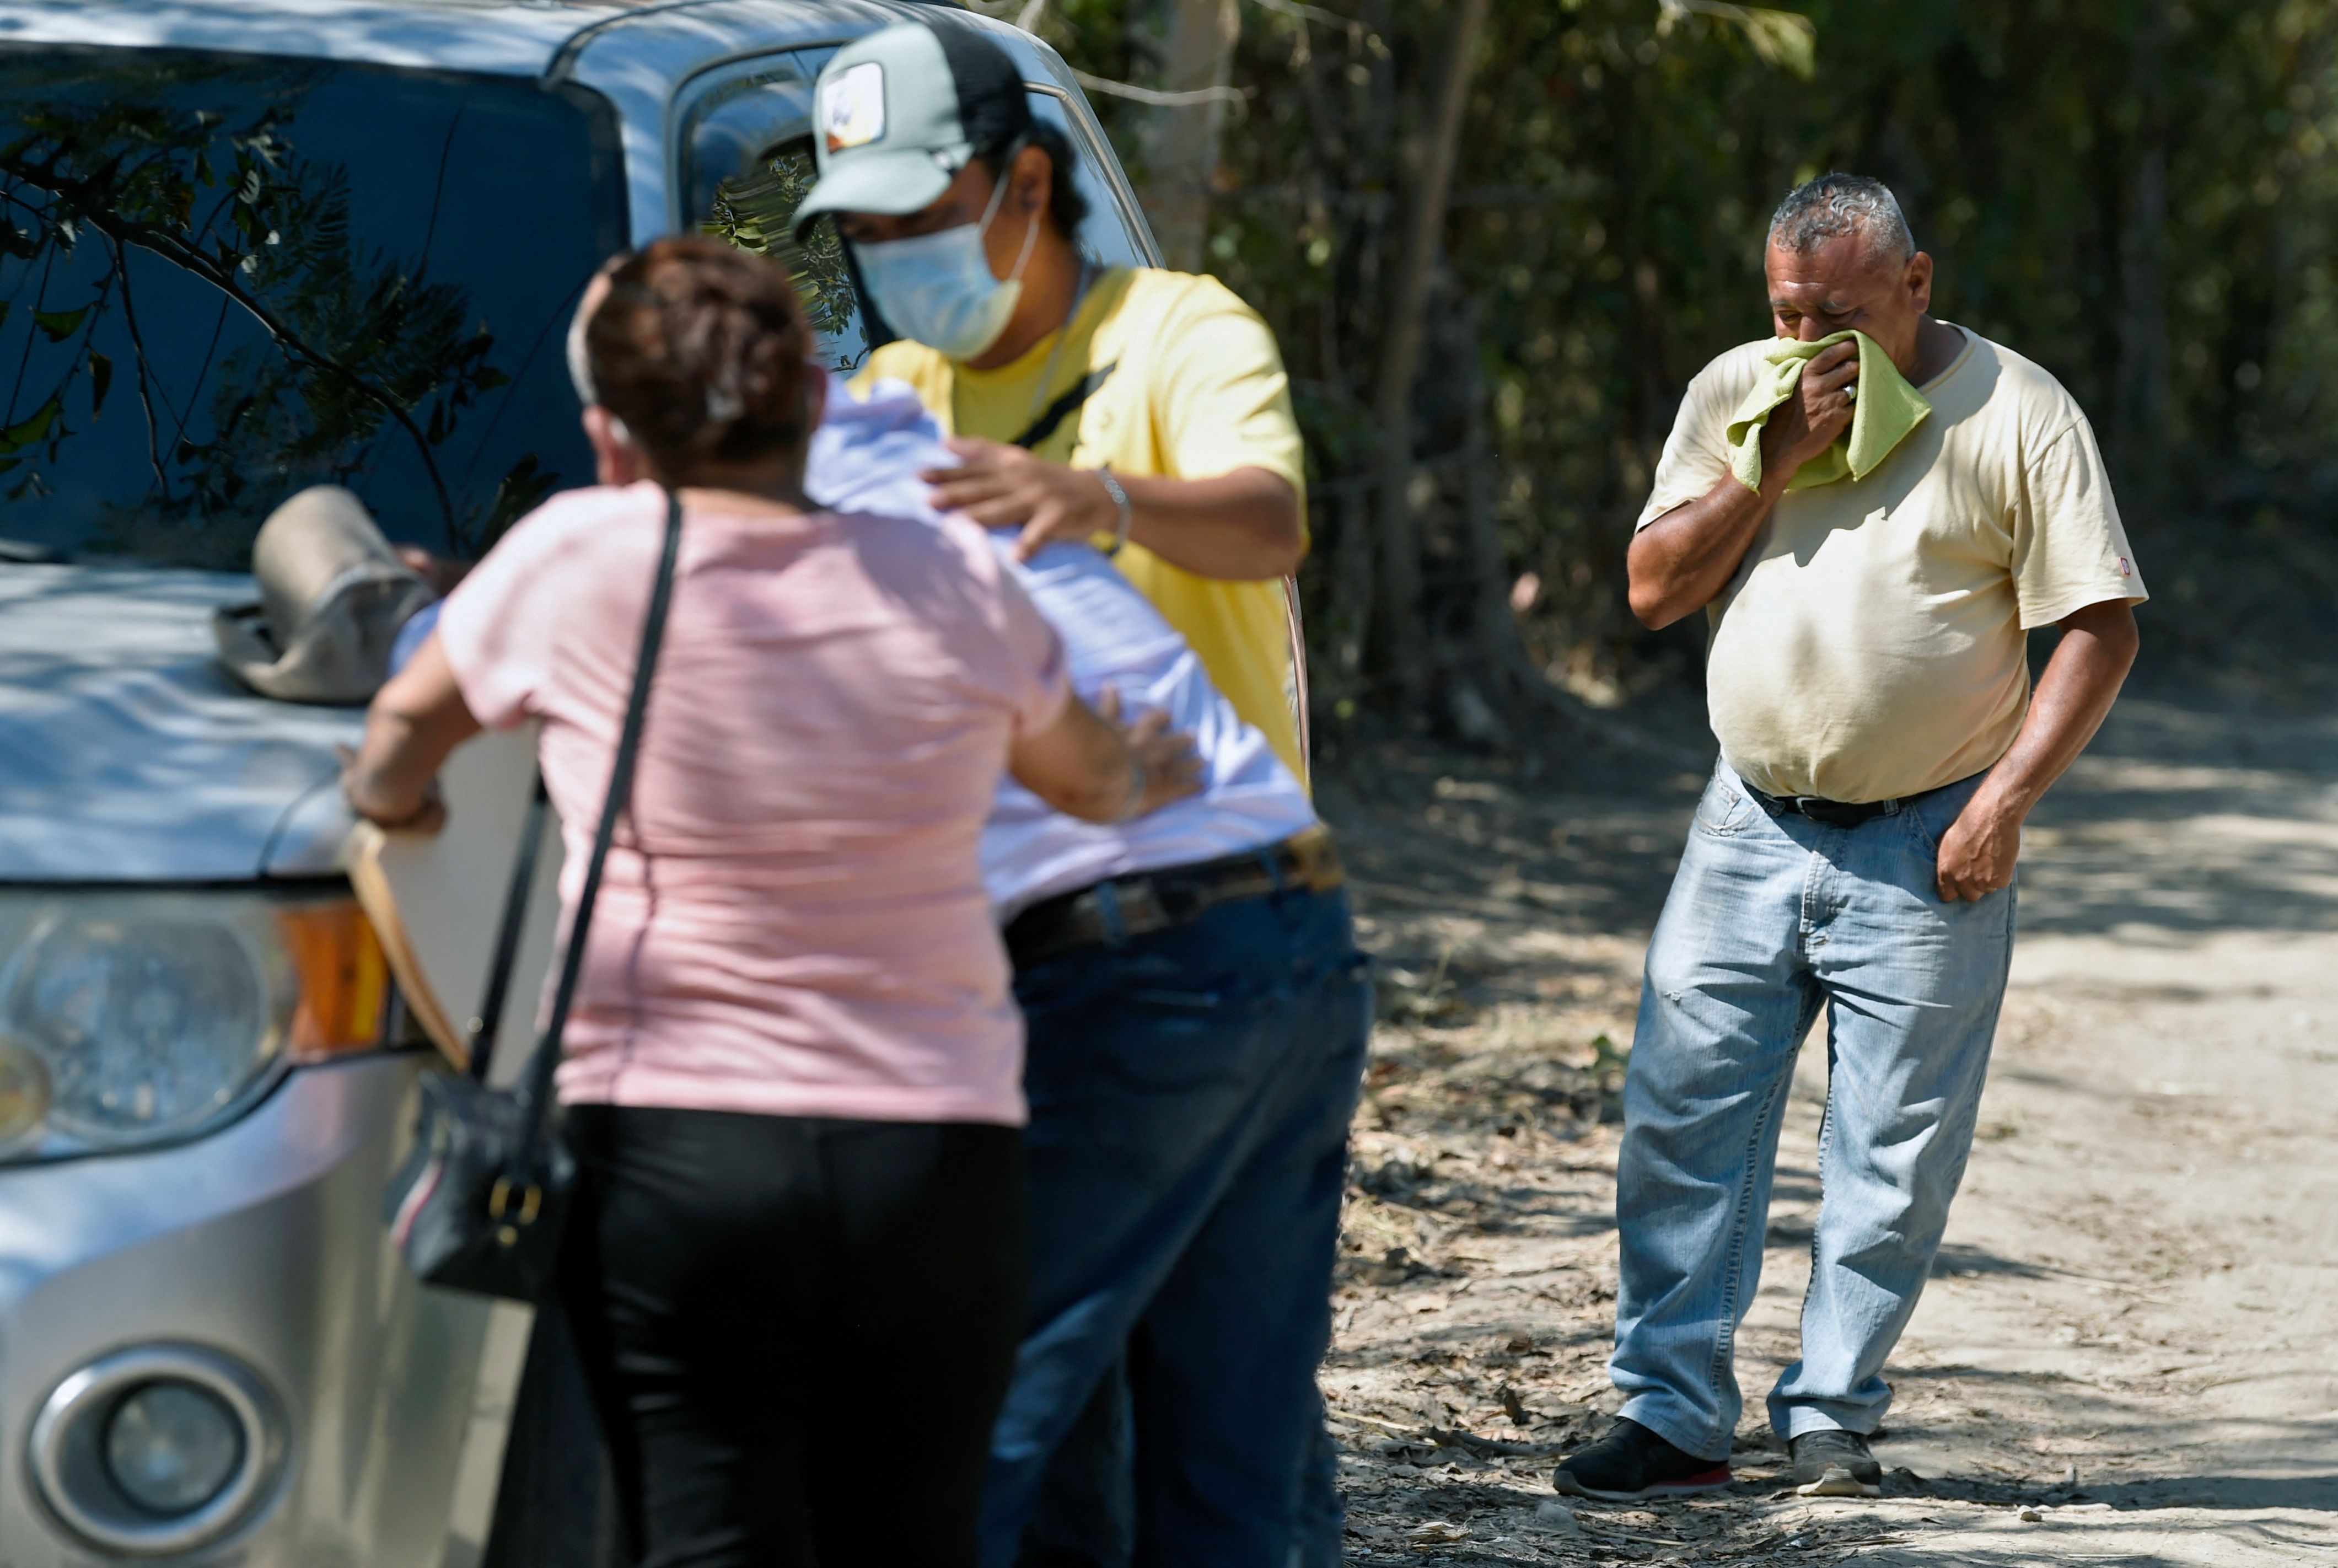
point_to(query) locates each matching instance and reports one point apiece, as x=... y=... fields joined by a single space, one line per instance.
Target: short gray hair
x=1833 y=205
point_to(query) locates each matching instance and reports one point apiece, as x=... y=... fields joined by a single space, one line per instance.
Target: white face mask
x=937 y=288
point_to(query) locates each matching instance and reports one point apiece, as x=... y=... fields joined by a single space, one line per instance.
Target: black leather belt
x=1825 y=813
x=1109 y=913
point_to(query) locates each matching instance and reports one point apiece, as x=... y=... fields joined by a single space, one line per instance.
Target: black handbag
x=478 y=1204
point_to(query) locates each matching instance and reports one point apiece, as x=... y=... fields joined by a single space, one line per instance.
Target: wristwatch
x=1119 y=499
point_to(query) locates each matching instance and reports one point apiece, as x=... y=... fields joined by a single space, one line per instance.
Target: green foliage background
x=2137 y=194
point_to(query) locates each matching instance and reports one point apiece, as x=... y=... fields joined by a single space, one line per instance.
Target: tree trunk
x=1348 y=620
x=1493 y=624
x=1190 y=46
x=1349 y=133
x=1400 y=535
x=1522 y=699
x=2143 y=376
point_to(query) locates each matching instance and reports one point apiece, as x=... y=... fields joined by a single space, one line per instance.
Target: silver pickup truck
x=247 y=246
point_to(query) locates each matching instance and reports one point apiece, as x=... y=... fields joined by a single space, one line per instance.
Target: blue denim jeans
x=1190 y=1098
x=1085 y=1516
x=1770 y=920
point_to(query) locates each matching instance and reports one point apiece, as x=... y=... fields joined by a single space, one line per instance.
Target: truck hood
x=126 y=755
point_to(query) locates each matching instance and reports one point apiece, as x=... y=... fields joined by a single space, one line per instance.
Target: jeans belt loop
x=1116 y=929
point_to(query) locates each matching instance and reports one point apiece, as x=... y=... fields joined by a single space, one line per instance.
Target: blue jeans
x=1190 y=1098
x=1086 y=1512
x=1770 y=920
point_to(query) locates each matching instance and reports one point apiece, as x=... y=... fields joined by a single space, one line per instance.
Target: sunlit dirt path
x=2130 y=1352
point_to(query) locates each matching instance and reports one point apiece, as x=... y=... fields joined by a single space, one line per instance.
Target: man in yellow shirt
x=1183 y=1222
x=1129 y=404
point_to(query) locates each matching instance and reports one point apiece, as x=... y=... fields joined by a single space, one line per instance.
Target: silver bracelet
x=1136 y=784
x=1119 y=499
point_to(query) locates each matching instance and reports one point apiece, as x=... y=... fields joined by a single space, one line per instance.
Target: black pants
x=797 y=1331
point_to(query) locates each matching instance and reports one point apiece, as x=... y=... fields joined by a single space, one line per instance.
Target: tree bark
x=1191 y=44
x=2143 y=380
x=1399 y=533
x=1350 y=619
x=1493 y=624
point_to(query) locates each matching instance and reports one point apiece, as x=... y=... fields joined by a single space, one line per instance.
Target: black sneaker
x=1631 y=1463
x=1833 y=1464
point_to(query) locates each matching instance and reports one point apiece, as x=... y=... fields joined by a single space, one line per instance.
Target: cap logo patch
x=852 y=107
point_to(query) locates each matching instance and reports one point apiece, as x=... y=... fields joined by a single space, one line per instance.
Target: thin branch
x=8 y=195
x=211 y=353
x=226 y=200
x=557 y=319
x=117 y=271
x=1158 y=98
x=138 y=357
x=1787 y=39
x=1306 y=13
x=438 y=186
x=48 y=265
x=168 y=246
x=172 y=248
x=91 y=315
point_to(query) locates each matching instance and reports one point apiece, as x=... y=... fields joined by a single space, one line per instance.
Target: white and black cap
x=898 y=113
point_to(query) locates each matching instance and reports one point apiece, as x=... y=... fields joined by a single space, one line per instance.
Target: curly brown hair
x=703 y=351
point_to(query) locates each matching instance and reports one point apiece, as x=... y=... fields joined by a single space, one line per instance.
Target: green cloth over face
x=1886 y=410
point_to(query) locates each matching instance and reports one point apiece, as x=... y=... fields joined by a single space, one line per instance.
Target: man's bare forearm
x=1680 y=562
x=1242 y=526
x=2074 y=696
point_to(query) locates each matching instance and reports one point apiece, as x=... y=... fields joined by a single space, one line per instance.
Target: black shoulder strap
x=488 y=1024
x=537 y=1091
x=1053 y=416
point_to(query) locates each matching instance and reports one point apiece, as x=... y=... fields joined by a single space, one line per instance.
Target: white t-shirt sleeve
x=2069 y=549
x=1696 y=456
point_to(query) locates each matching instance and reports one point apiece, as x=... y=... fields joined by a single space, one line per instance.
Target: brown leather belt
x=1111 y=912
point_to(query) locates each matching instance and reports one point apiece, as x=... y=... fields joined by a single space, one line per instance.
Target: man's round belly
x=1802 y=709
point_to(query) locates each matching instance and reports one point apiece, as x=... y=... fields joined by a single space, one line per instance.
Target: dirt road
x=2130 y=1352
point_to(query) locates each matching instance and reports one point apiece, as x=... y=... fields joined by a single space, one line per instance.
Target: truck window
x=225 y=278
x=750 y=163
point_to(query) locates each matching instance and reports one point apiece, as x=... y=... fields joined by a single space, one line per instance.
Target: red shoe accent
x=1712 y=1480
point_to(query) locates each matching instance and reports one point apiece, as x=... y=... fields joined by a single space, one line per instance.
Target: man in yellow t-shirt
x=1182 y=1229
x=1131 y=405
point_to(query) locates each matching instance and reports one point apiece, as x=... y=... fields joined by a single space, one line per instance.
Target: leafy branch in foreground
x=353 y=340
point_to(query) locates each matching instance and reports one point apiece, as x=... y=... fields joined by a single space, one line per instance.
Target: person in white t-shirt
x=1196 y=1014
x=1874 y=507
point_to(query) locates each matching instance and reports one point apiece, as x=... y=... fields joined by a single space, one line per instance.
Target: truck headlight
x=23 y=1090
x=173 y=1447
x=141 y=1018
x=152 y=1020
x=158 y=1450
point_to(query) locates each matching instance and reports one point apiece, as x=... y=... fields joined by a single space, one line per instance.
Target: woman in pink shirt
x=792 y=1071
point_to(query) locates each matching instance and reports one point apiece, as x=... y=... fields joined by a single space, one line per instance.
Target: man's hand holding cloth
x=1887 y=408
